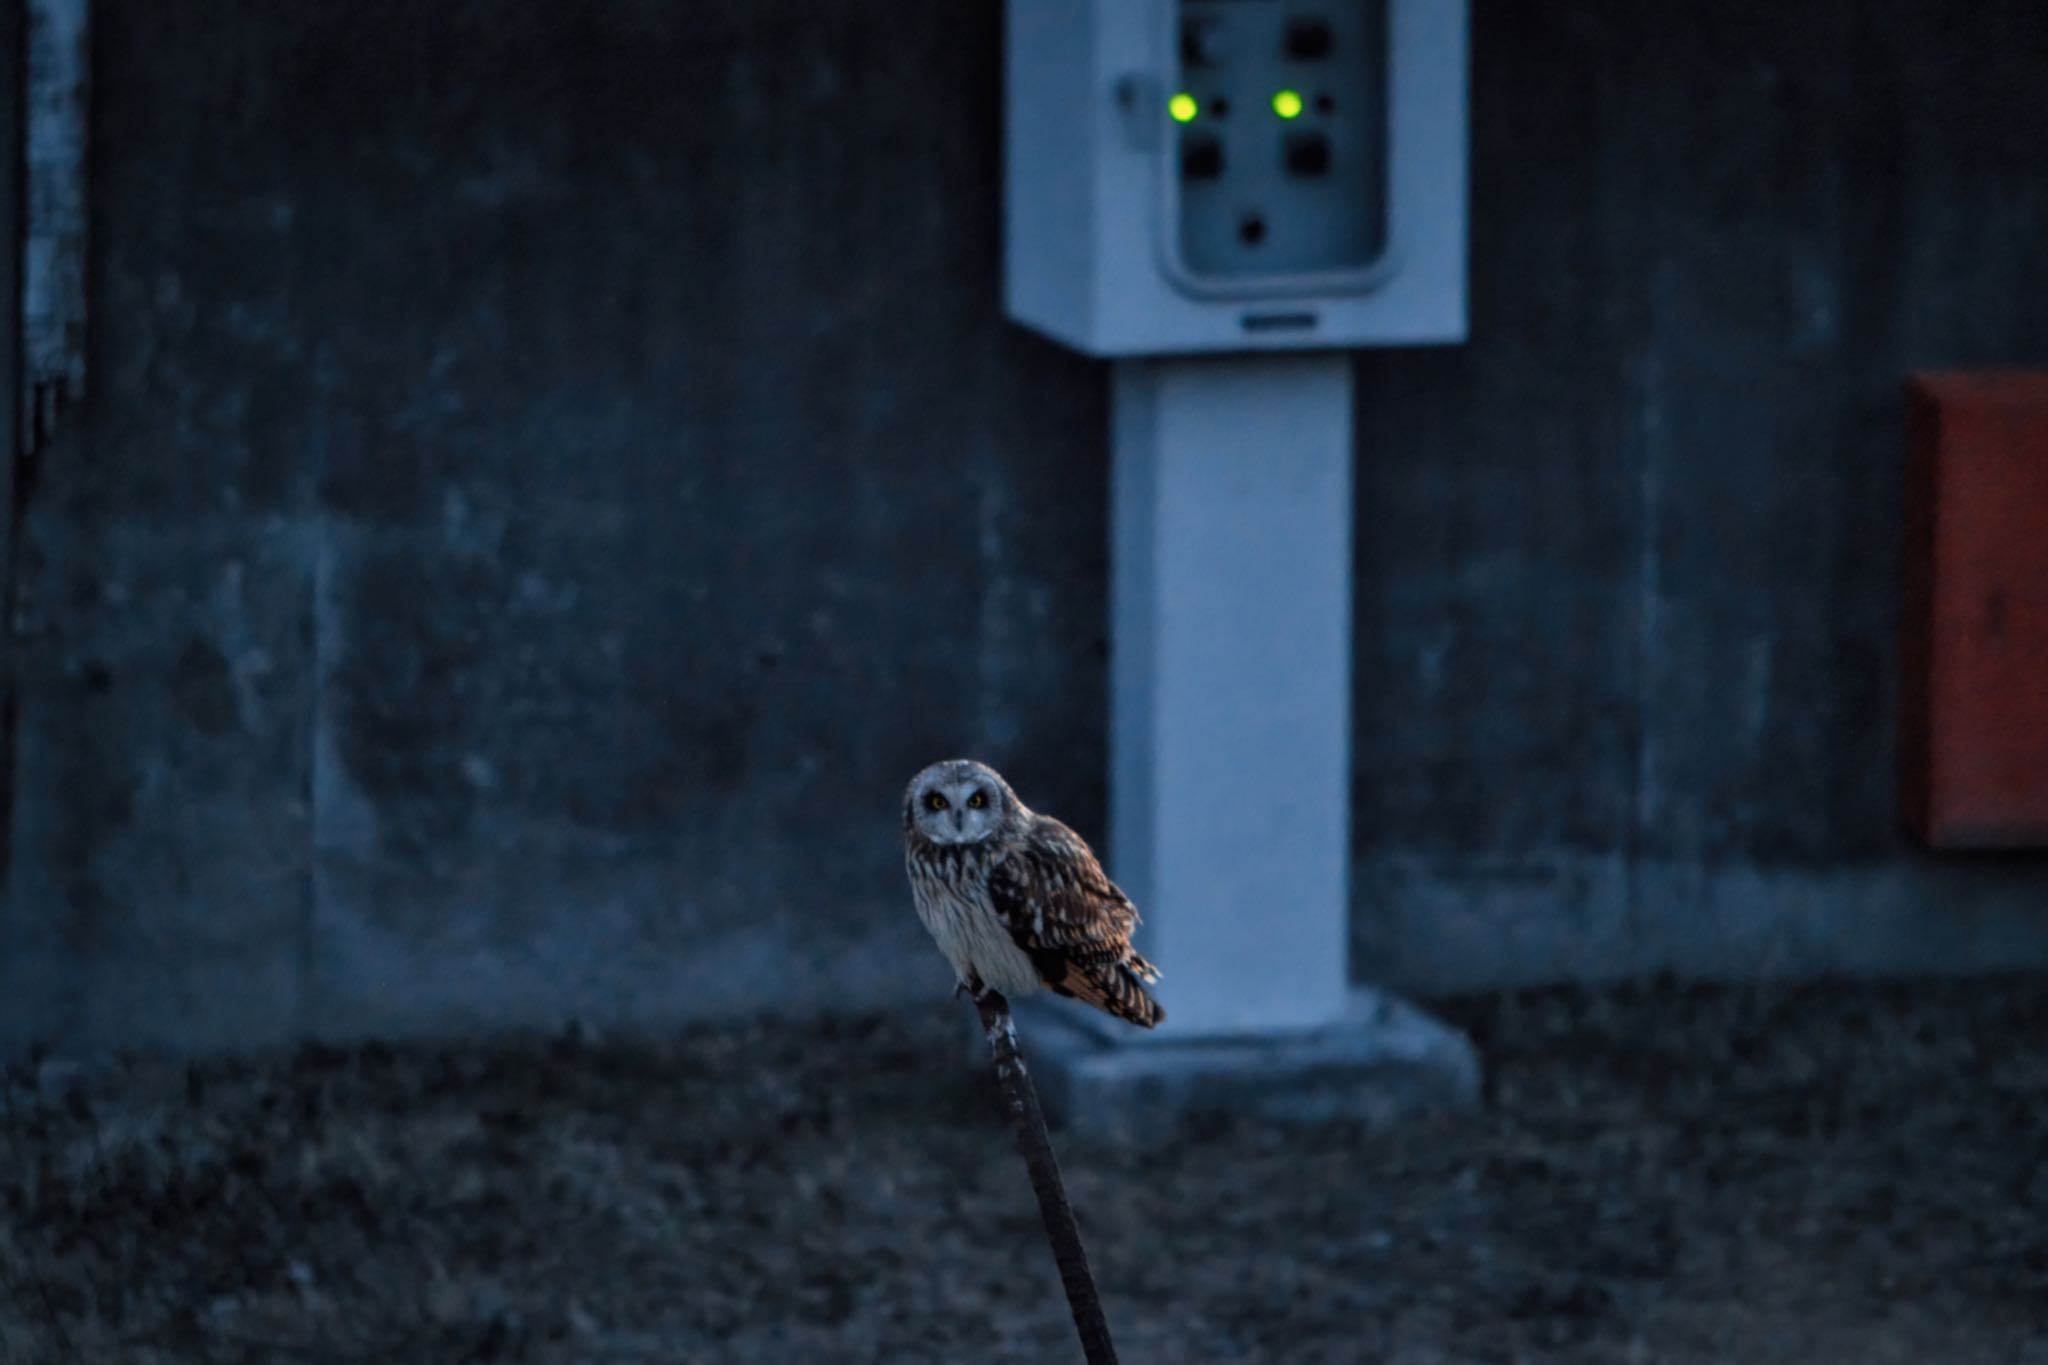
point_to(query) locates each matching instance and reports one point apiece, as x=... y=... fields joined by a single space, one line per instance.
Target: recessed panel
x=1284 y=105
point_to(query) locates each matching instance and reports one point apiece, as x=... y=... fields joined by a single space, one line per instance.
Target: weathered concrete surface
x=1628 y=562
x=552 y=471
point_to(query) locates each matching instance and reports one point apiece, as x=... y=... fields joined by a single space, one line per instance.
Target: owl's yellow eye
x=977 y=801
x=934 y=801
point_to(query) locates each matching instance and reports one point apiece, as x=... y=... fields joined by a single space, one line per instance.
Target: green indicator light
x=1287 y=103
x=1183 y=107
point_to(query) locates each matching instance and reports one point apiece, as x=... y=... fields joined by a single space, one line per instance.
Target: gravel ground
x=1664 y=1174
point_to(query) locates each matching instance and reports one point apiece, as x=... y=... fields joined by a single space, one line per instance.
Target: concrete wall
x=1629 y=562
x=553 y=471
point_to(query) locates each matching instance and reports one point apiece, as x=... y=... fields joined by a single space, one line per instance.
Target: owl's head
x=958 y=801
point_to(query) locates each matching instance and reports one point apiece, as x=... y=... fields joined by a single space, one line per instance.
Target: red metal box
x=1973 y=753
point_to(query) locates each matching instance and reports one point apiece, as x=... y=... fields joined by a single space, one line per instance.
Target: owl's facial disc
x=957 y=807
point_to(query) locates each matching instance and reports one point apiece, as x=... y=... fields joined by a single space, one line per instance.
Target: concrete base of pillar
x=1385 y=1060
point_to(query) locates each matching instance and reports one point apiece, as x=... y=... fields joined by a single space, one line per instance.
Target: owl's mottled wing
x=1052 y=893
x=1062 y=909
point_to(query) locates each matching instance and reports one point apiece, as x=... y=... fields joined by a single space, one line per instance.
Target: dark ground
x=1820 y=1174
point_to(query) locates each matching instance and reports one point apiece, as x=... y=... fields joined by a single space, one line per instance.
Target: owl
x=1016 y=900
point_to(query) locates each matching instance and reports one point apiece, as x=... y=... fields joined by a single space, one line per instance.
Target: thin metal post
x=1034 y=1143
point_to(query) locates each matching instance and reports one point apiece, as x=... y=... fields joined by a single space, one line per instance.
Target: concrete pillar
x=1230 y=800
x=1230 y=779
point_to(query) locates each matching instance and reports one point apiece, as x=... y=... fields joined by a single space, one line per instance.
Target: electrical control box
x=1231 y=175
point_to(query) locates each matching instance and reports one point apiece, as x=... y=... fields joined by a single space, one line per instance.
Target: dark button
x=1308 y=154
x=1309 y=39
x=1201 y=158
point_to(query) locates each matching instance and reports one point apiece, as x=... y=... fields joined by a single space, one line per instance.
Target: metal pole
x=1035 y=1145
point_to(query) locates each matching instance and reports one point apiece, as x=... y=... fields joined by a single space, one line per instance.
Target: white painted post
x=1231 y=684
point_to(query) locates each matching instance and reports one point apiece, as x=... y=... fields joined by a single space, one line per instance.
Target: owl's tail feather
x=1112 y=988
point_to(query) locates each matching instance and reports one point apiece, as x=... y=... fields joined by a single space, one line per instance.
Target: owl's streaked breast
x=950 y=891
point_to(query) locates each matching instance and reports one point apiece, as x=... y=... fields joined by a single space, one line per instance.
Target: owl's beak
x=959 y=820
